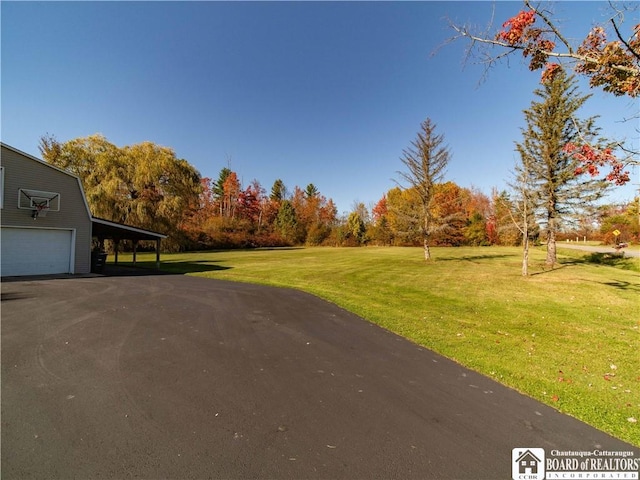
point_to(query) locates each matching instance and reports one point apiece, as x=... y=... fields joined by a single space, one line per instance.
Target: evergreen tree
x=218 y=188
x=426 y=160
x=287 y=222
x=547 y=171
x=278 y=191
x=311 y=191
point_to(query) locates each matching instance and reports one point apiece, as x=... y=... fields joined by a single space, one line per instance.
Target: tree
x=523 y=205
x=613 y=65
x=356 y=227
x=218 y=188
x=278 y=191
x=448 y=214
x=251 y=203
x=476 y=231
x=315 y=214
x=623 y=218
x=143 y=185
x=362 y=211
x=311 y=191
x=230 y=194
x=425 y=160
x=287 y=222
x=380 y=209
x=547 y=172
x=206 y=206
x=357 y=222
x=478 y=211
x=404 y=217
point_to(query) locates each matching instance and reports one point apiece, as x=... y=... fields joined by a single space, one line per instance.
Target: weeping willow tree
x=143 y=185
x=547 y=173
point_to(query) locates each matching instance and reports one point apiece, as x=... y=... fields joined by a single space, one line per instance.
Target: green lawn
x=568 y=336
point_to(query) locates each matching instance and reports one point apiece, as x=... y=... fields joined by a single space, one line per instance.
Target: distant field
x=568 y=336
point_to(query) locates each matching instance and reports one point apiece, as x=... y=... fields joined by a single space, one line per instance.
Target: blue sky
x=328 y=93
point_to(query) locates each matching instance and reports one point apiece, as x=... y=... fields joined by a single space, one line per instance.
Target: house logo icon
x=527 y=463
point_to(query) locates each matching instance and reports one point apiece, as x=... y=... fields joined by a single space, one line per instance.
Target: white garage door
x=34 y=251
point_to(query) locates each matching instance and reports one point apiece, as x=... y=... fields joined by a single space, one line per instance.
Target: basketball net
x=41 y=210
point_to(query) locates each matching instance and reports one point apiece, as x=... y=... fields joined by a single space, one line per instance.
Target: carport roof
x=117 y=231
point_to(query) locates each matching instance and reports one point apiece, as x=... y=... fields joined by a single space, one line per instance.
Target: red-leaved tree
x=610 y=60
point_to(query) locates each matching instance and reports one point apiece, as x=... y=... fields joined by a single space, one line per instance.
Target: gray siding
x=23 y=171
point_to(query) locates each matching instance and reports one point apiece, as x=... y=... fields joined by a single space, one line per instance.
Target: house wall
x=24 y=171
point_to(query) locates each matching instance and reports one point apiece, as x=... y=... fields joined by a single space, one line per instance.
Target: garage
x=45 y=221
x=36 y=251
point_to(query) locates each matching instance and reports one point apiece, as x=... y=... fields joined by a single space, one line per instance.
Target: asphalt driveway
x=627 y=252
x=181 y=377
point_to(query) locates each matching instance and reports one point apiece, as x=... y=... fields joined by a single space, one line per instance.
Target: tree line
x=148 y=186
x=553 y=190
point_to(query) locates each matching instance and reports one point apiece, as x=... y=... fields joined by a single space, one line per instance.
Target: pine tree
x=278 y=191
x=287 y=222
x=218 y=188
x=547 y=171
x=426 y=160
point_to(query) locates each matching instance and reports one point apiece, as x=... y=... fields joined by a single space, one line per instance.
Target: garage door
x=35 y=251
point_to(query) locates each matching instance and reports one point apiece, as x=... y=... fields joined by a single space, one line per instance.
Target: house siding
x=24 y=171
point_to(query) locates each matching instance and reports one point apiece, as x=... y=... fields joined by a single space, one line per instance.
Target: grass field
x=568 y=336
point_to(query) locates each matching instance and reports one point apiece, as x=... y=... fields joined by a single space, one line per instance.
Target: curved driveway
x=182 y=377
x=628 y=252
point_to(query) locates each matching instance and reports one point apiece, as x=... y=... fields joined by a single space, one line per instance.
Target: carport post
x=157 y=254
x=116 y=242
x=135 y=247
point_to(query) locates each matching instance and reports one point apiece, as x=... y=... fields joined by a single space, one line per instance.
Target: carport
x=116 y=232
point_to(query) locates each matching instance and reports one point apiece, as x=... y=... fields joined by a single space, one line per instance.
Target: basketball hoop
x=41 y=209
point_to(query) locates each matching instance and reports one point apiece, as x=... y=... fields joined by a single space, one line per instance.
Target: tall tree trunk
x=525 y=257
x=551 y=247
x=525 y=241
x=427 y=252
x=425 y=237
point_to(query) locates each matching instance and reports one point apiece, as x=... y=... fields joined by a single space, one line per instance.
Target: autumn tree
x=547 y=171
x=217 y=188
x=380 y=209
x=448 y=211
x=205 y=207
x=379 y=230
x=314 y=212
x=356 y=228
x=478 y=210
x=403 y=215
x=425 y=161
x=623 y=218
x=271 y=203
x=143 y=185
x=505 y=219
x=252 y=203
x=609 y=56
x=356 y=224
x=613 y=65
x=230 y=195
